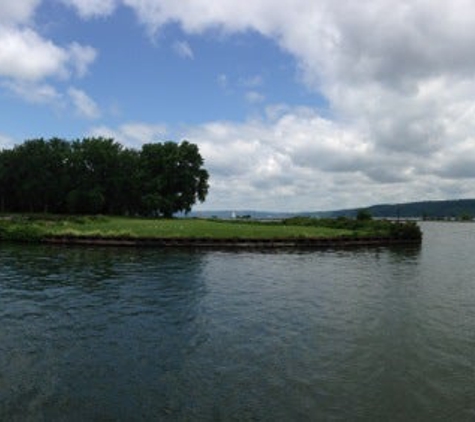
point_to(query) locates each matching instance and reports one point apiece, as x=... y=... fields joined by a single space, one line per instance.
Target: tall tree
x=94 y=167
x=173 y=179
x=36 y=172
x=97 y=175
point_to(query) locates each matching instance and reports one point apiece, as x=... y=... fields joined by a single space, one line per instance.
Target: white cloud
x=29 y=63
x=269 y=162
x=132 y=135
x=252 y=82
x=25 y=55
x=81 y=58
x=183 y=49
x=392 y=43
x=92 y=8
x=6 y=142
x=229 y=15
x=85 y=106
x=254 y=97
x=35 y=93
x=399 y=78
x=15 y=12
x=296 y=160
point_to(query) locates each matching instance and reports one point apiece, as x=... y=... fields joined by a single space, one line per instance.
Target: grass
x=35 y=227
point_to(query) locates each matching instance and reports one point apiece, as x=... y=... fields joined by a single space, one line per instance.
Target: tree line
x=99 y=176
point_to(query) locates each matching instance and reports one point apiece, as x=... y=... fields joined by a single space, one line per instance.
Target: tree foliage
x=364 y=215
x=99 y=175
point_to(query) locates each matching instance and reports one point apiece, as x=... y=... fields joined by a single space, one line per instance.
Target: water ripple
x=131 y=334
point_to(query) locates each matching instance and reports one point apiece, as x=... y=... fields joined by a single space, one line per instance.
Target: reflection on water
x=142 y=334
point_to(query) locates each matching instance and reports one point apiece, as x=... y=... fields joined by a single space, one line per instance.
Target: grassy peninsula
x=38 y=227
x=89 y=186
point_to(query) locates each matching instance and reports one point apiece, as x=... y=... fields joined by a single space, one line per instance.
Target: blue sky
x=167 y=78
x=295 y=104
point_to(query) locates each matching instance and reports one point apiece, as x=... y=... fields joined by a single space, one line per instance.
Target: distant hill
x=423 y=209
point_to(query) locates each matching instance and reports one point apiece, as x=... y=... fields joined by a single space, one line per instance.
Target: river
x=124 y=334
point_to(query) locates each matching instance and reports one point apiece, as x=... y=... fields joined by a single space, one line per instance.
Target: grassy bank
x=37 y=227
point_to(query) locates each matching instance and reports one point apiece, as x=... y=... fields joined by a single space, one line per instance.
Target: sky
x=296 y=105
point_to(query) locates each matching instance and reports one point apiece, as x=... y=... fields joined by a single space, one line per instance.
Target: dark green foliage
x=99 y=176
x=364 y=215
x=25 y=232
x=407 y=230
x=172 y=177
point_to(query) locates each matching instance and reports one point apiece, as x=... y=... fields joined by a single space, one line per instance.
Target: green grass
x=43 y=226
x=186 y=228
x=35 y=227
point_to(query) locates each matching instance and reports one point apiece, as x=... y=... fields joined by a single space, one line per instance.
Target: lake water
x=110 y=334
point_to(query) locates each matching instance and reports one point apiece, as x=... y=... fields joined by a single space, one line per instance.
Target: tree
x=37 y=169
x=7 y=180
x=127 y=184
x=58 y=181
x=173 y=179
x=97 y=175
x=364 y=215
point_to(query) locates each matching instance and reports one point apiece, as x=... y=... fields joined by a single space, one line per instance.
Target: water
x=106 y=334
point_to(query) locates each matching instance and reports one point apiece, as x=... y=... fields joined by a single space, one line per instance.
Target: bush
x=25 y=231
x=364 y=215
x=362 y=226
x=408 y=230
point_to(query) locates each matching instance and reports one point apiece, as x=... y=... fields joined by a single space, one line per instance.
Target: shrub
x=408 y=230
x=25 y=232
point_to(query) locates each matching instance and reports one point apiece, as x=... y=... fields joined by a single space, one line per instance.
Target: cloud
x=25 y=55
x=183 y=49
x=376 y=41
x=92 y=8
x=399 y=79
x=228 y=15
x=6 y=142
x=15 y=12
x=295 y=159
x=35 y=93
x=81 y=58
x=132 y=135
x=254 y=97
x=85 y=106
x=248 y=86
x=252 y=82
x=29 y=63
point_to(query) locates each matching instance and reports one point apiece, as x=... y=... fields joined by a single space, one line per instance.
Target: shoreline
x=197 y=233
x=233 y=243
